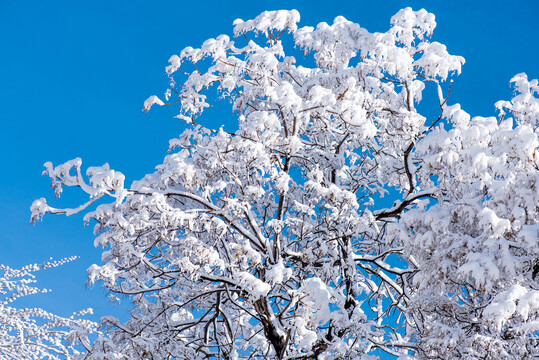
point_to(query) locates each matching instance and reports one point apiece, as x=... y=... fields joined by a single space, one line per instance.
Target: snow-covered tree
x=276 y=239
x=35 y=333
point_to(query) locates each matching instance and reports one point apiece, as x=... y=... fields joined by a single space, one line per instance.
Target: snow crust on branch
x=269 y=20
x=149 y=102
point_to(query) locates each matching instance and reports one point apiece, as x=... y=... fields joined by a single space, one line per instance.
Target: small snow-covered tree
x=35 y=333
x=275 y=240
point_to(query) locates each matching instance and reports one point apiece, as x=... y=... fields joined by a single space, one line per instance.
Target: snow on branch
x=32 y=333
x=277 y=241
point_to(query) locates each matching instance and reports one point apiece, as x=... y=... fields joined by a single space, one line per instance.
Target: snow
x=268 y=20
x=254 y=286
x=278 y=273
x=33 y=333
x=149 y=102
x=515 y=300
x=316 y=296
x=274 y=234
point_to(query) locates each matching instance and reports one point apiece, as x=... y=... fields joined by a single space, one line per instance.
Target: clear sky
x=74 y=76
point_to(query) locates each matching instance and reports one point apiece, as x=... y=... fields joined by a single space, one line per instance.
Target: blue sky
x=74 y=76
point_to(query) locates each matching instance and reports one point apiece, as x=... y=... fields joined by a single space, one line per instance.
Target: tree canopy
x=277 y=239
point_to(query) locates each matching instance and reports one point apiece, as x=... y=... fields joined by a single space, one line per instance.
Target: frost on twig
x=33 y=333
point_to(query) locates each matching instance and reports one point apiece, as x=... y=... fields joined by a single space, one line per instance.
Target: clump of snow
x=305 y=337
x=436 y=61
x=150 y=102
x=515 y=300
x=282 y=182
x=180 y=317
x=278 y=20
x=409 y=24
x=316 y=297
x=254 y=286
x=39 y=207
x=278 y=273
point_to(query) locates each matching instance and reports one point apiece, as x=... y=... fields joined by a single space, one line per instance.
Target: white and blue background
x=74 y=76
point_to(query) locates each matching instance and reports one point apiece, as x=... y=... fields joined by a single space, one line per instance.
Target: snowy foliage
x=276 y=241
x=36 y=333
